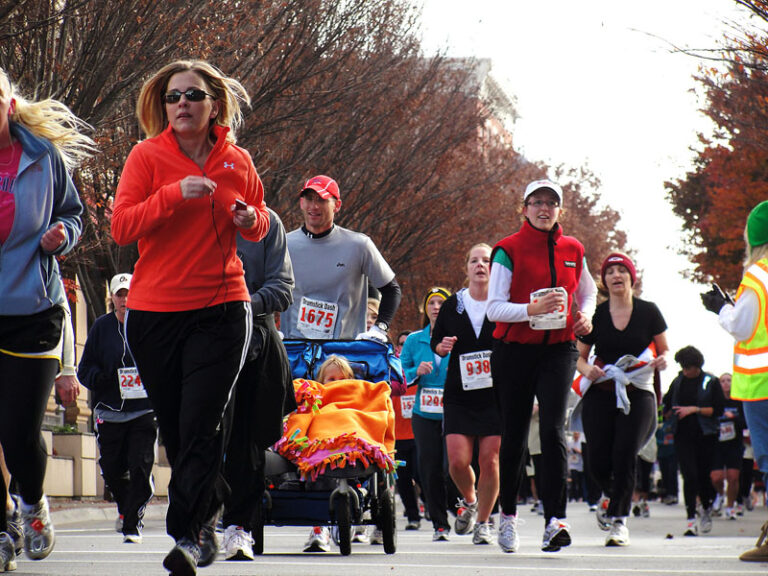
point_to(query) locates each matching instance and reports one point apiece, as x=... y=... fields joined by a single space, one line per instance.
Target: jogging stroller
x=347 y=491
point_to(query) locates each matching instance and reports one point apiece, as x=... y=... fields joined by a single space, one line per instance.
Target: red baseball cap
x=325 y=187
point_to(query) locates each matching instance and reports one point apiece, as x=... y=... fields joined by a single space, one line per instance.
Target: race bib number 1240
x=431 y=400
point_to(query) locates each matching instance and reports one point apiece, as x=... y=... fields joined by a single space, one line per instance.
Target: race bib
x=317 y=319
x=727 y=431
x=431 y=400
x=131 y=387
x=476 y=370
x=406 y=405
x=551 y=320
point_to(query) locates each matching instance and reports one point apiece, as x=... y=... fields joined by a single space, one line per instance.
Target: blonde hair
x=478 y=245
x=338 y=362
x=228 y=92
x=468 y=255
x=51 y=120
x=753 y=253
x=373 y=304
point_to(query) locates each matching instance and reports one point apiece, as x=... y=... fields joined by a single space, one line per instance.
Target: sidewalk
x=66 y=511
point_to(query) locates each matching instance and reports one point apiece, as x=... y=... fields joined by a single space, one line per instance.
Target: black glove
x=714 y=300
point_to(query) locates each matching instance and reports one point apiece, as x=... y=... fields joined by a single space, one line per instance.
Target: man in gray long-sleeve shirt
x=264 y=389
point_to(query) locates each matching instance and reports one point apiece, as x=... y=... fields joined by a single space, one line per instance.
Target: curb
x=75 y=515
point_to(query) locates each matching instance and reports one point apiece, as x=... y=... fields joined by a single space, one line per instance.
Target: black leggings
x=189 y=362
x=406 y=478
x=127 y=452
x=614 y=439
x=520 y=372
x=243 y=467
x=25 y=386
x=433 y=467
x=695 y=458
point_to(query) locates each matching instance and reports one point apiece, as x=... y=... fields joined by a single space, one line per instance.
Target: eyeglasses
x=542 y=203
x=193 y=95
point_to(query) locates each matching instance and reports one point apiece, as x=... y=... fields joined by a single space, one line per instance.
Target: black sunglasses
x=193 y=95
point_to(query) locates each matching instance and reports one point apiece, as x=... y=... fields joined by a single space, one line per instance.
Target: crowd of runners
x=529 y=386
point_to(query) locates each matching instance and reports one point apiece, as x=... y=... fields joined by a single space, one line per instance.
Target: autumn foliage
x=340 y=88
x=731 y=171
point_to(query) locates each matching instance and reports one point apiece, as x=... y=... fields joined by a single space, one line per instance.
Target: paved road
x=87 y=544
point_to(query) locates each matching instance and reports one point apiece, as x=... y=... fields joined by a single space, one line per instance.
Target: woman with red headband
x=618 y=409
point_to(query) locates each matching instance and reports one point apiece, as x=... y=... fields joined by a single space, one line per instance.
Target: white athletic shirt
x=740 y=320
x=475 y=310
x=332 y=272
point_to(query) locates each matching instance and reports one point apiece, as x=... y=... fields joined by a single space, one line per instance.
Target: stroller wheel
x=388 y=520
x=341 y=507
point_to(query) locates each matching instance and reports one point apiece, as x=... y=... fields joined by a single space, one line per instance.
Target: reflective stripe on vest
x=750 y=357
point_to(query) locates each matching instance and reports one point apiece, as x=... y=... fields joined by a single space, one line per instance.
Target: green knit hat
x=757 y=225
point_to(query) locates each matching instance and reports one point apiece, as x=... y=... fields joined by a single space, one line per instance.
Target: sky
x=596 y=84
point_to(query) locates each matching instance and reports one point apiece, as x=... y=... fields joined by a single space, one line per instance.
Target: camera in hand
x=715 y=299
x=722 y=293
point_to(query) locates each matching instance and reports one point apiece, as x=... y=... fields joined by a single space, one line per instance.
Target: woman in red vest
x=536 y=276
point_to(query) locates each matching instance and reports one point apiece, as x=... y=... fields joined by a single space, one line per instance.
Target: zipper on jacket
x=551 y=249
x=552 y=271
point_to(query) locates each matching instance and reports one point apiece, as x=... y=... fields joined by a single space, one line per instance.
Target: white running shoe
x=691 y=529
x=7 y=553
x=508 y=538
x=132 y=539
x=466 y=516
x=619 y=535
x=319 y=540
x=705 y=520
x=237 y=544
x=602 y=514
x=440 y=535
x=39 y=536
x=377 y=538
x=482 y=533
x=556 y=535
x=360 y=535
x=184 y=557
x=717 y=505
x=15 y=525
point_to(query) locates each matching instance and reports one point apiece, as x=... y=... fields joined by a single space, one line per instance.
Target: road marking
x=347 y=564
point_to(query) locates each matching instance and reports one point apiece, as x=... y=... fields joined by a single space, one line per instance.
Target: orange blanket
x=347 y=421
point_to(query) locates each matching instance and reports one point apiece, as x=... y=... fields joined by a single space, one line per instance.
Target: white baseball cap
x=537 y=185
x=118 y=282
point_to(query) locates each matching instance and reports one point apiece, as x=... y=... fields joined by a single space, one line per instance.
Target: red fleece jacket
x=187 y=252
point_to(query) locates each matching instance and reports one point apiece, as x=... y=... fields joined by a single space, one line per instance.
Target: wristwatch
x=381 y=325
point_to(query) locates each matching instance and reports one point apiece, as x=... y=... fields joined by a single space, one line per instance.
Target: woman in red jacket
x=184 y=194
x=536 y=276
